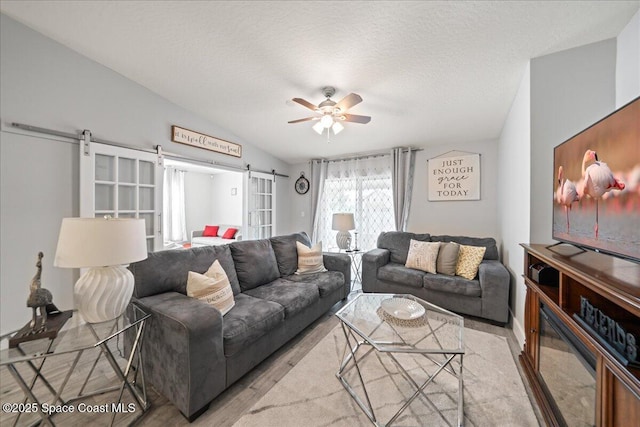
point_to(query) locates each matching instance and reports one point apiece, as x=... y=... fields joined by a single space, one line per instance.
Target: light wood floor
x=227 y=408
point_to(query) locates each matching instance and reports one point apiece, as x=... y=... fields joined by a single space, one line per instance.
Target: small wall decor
x=454 y=176
x=302 y=184
x=200 y=140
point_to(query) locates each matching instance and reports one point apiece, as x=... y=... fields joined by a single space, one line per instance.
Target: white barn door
x=260 y=215
x=122 y=183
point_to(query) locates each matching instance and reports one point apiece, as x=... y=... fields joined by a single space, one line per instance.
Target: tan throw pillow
x=422 y=255
x=310 y=259
x=213 y=287
x=447 y=258
x=469 y=260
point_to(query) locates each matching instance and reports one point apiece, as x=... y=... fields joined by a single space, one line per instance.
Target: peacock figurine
x=39 y=298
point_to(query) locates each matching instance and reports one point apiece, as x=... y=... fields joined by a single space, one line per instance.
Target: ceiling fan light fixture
x=337 y=128
x=318 y=127
x=327 y=121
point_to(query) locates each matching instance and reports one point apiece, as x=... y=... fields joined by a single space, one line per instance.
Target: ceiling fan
x=331 y=114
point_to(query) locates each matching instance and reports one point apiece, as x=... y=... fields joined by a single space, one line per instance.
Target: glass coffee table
x=65 y=388
x=421 y=340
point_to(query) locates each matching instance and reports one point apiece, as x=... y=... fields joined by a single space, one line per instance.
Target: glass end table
x=371 y=331
x=26 y=362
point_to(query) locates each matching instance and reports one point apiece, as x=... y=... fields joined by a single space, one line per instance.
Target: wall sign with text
x=454 y=177
x=200 y=140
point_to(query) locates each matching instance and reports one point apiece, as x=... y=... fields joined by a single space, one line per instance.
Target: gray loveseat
x=486 y=296
x=191 y=352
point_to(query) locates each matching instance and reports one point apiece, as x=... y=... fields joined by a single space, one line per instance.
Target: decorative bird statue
x=566 y=194
x=597 y=179
x=39 y=298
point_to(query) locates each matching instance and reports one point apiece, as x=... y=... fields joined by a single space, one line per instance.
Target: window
x=363 y=187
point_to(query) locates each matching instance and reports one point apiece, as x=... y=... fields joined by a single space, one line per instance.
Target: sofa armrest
x=495 y=282
x=371 y=262
x=196 y=233
x=339 y=262
x=183 y=350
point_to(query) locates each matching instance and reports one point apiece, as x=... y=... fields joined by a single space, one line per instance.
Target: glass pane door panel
x=146 y=199
x=105 y=168
x=147 y=172
x=260 y=214
x=126 y=170
x=126 y=198
x=148 y=222
x=105 y=199
x=122 y=183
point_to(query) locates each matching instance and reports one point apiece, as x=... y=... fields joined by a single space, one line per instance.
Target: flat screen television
x=597 y=185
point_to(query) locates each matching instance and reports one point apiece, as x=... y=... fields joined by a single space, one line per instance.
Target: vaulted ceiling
x=429 y=72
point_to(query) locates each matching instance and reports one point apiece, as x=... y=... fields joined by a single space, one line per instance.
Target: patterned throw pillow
x=448 y=258
x=310 y=259
x=423 y=255
x=212 y=287
x=469 y=260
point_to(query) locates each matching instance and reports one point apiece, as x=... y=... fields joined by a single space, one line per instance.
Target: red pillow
x=210 y=231
x=230 y=233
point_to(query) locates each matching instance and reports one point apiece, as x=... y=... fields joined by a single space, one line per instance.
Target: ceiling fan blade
x=304 y=103
x=356 y=119
x=349 y=101
x=306 y=119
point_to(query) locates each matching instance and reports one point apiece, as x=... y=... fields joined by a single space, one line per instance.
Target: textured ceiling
x=429 y=72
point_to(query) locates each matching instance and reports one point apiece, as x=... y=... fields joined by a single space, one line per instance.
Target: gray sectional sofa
x=486 y=296
x=191 y=352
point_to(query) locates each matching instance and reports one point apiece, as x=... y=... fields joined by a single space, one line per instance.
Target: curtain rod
x=366 y=156
x=146 y=150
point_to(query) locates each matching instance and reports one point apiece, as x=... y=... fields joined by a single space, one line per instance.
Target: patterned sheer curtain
x=174 y=215
x=363 y=187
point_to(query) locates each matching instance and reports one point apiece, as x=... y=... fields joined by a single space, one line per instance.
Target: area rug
x=310 y=395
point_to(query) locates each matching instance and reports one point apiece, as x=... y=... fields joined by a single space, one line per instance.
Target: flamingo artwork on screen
x=566 y=194
x=597 y=186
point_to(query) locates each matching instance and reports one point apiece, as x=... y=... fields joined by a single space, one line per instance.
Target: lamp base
x=103 y=293
x=343 y=239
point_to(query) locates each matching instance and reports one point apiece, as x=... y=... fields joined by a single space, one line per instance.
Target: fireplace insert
x=567 y=372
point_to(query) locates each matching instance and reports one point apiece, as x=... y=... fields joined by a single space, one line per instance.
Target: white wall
x=570 y=90
x=628 y=62
x=514 y=183
x=45 y=84
x=198 y=200
x=225 y=207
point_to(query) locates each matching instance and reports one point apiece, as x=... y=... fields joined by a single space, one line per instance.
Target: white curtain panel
x=362 y=187
x=402 y=171
x=174 y=215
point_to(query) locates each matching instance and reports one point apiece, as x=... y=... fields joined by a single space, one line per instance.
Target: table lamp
x=343 y=222
x=105 y=246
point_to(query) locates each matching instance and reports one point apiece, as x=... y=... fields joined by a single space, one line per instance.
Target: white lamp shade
x=98 y=242
x=337 y=128
x=318 y=128
x=343 y=222
x=327 y=121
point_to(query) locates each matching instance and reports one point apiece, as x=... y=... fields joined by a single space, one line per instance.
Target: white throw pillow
x=423 y=255
x=310 y=259
x=213 y=287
